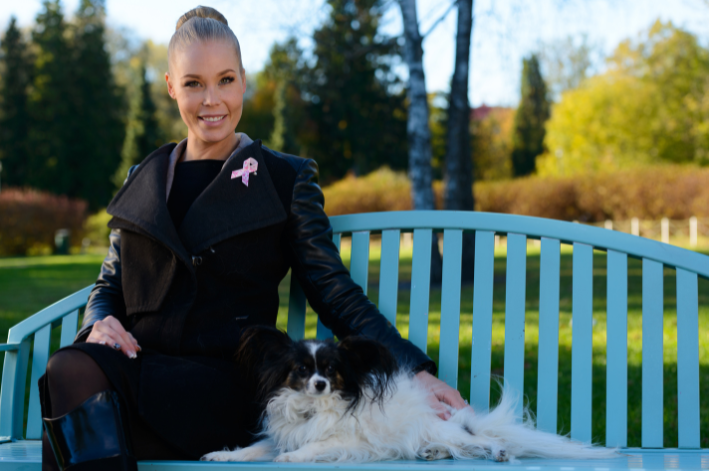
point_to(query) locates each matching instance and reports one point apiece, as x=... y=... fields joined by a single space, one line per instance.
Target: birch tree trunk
x=458 y=163
x=418 y=131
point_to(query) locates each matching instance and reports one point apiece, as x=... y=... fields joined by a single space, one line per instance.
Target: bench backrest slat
x=652 y=369
x=296 y=309
x=582 y=343
x=40 y=356
x=482 y=320
x=322 y=332
x=688 y=358
x=69 y=324
x=359 y=259
x=548 y=366
x=617 y=349
x=515 y=305
x=450 y=306
x=389 y=274
x=420 y=287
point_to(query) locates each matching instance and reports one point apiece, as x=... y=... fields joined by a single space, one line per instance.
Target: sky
x=504 y=31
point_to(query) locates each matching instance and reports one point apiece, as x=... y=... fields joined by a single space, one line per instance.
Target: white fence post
x=665 y=230
x=693 y=231
x=635 y=226
x=609 y=224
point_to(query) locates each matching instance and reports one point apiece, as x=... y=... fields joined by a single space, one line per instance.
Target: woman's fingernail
x=132 y=355
x=117 y=346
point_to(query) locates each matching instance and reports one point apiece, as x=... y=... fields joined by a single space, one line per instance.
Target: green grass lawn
x=28 y=284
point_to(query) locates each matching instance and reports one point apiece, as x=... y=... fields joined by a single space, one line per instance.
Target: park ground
x=27 y=284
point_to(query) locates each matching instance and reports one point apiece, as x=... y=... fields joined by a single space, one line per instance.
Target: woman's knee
x=72 y=377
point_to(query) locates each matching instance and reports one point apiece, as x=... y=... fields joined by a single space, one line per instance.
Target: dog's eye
x=303 y=370
x=330 y=370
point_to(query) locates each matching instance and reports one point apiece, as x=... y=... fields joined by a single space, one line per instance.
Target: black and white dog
x=348 y=401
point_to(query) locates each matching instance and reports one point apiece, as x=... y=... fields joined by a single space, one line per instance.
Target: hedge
x=675 y=192
x=29 y=220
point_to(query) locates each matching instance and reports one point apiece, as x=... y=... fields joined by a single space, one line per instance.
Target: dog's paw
x=292 y=457
x=501 y=456
x=431 y=453
x=219 y=456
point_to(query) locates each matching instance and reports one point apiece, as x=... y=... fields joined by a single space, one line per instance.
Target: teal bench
x=19 y=451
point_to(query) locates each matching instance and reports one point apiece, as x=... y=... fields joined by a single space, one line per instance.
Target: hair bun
x=201 y=12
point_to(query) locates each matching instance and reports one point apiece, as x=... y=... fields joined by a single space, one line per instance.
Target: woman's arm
x=338 y=300
x=106 y=298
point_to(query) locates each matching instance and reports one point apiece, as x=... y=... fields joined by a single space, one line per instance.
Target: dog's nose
x=320 y=385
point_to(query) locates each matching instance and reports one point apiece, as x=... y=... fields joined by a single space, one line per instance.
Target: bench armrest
x=7 y=347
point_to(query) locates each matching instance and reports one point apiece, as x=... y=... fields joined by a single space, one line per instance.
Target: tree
x=417 y=127
x=458 y=179
x=363 y=129
x=99 y=128
x=532 y=113
x=143 y=132
x=285 y=70
x=52 y=106
x=492 y=143
x=418 y=130
x=567 y=62
x=651 y=106
x=14 y=113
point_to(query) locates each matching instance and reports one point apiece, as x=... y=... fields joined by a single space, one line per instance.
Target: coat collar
x=224 y=209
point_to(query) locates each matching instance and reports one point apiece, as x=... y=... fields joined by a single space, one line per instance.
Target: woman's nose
x=211 y=96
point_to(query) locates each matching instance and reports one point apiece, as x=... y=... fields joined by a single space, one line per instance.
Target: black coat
x=191 y=290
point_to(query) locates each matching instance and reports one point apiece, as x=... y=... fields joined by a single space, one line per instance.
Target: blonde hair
x=202 y=24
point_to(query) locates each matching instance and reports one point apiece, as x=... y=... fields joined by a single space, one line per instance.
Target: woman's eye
x=192 y=84
x=226 y=80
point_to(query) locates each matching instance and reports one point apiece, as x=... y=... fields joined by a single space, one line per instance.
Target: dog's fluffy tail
x=520 y=438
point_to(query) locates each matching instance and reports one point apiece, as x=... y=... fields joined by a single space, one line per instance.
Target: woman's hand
x=110 y=332
x=441 y=393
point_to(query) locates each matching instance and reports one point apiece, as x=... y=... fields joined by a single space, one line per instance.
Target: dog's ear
x=367 y=357
x=261 y=344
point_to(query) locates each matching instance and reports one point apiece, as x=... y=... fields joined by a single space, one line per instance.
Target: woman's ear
x=170 y=88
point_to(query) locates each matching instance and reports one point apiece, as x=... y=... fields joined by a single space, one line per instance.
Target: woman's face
x=206 y=80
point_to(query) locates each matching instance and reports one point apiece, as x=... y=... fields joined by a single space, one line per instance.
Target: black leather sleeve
x=338 y=300
x=106 y=298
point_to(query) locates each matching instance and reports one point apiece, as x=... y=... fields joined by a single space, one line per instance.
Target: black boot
x=92 y=437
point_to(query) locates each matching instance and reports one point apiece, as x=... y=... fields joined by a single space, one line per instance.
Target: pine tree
x=143 y=133
x=285 y=71
x=51 y=105
x=532 y=114
x=359 y=124
x=100 y=130
x=14 y=115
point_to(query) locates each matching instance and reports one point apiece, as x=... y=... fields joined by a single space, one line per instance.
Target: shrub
x=96 y=228
x=672 y=191
x=29 y=220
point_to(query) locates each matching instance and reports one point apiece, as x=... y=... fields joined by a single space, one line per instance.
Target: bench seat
x=27 y=455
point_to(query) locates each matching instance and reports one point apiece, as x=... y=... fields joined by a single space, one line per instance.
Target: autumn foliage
x=29 y=220
x=676 y=192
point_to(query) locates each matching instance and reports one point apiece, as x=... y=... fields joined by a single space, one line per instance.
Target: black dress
x=222 y=402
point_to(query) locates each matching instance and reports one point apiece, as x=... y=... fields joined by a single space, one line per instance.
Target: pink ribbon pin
x=250 y=166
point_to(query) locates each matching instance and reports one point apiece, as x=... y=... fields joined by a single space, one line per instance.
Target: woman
x=202 y=234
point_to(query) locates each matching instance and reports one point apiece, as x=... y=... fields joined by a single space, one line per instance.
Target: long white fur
x=305 y=428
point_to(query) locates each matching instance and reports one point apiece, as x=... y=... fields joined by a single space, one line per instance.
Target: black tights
x=73 y=377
